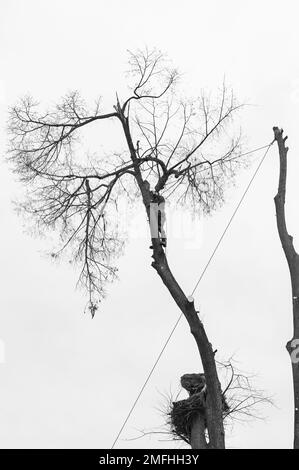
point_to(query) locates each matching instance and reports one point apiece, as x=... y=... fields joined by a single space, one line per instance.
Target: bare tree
x=293 y=263
x=180 y=147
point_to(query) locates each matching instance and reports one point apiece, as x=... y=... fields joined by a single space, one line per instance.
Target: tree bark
x=293 y=263
x=198 y=438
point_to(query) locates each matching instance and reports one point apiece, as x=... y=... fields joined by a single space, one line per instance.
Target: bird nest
x=182 y=414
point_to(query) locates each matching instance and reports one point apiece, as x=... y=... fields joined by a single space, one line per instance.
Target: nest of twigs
x=182 y=414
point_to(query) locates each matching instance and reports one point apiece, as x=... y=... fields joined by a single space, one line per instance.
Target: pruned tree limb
x=293 y=263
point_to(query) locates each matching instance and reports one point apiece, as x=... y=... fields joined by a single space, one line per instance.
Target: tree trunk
x=214 y=397
x=198 y=438
x=214 y=413
x=293 y=263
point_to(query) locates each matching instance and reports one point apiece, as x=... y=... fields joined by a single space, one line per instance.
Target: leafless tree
x=182 y=147
x=293 y=263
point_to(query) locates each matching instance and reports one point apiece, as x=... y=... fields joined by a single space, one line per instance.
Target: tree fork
x=293 y=263
x=214 y=396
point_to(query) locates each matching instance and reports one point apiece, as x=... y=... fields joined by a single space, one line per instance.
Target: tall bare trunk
x=214 y=413
x=214 y=397
x=293 y=263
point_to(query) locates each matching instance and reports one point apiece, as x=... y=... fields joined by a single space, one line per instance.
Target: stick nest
x=182 y=414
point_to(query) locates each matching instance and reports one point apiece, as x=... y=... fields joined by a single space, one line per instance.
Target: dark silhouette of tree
x=293 y=263
x=182 y=147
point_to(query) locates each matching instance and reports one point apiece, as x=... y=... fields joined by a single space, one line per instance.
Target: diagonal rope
x=216 y=164
x=232 y=217
x=196 y=285
x=146 y=381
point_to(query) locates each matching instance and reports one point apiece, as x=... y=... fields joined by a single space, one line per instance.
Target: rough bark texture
x=198 y=438
x=293 y=263
x=195 y=384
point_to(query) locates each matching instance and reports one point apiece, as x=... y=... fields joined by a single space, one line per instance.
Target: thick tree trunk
x=293 y=262
x=198 y=438
x=214 y=413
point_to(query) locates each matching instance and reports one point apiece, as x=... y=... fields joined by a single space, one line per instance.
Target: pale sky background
x=67 y=381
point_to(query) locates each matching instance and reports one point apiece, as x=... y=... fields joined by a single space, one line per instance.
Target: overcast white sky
x=68 y=381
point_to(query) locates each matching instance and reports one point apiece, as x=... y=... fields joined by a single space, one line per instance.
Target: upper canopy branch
x=180 y=146
x=37 y=140
x=149 y=67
